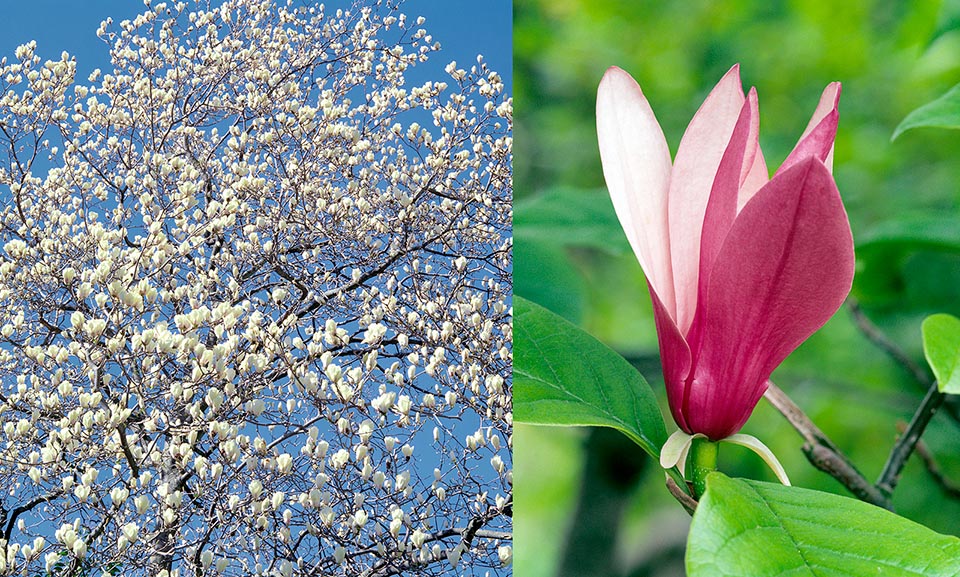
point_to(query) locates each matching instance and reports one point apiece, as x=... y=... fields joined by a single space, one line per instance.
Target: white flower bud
x=79 y=548
x=360 y=518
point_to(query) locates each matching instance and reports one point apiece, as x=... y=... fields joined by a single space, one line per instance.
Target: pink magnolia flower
x=741 y=268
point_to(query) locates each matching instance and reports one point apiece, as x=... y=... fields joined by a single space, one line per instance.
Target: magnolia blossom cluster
x=254 y=300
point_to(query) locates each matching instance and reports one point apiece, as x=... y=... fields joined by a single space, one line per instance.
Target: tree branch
x=876 y=336
x=17 y=511
x=906 y=443
x=474 y=529
x=949 y=488
x=822 y=452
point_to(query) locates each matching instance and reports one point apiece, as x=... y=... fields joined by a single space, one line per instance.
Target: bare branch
x=822 y=452
x=906 y=443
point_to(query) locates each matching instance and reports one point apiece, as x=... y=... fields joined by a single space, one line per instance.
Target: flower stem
x=703 y=461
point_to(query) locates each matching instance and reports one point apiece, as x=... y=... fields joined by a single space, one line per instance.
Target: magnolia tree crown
x=254 y=300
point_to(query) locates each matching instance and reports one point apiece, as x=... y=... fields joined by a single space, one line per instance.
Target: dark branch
x=873 y=333
x=822 y=452
x=876 y=336
x=17 y=511
x=949 y=488
x=905 y=445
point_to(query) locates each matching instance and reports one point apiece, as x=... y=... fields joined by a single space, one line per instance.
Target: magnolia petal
x=758 y=176
x=755 y=445
x=829 y=102
x=701 y=149
x=676 y=447
x=722 y=206
x=674 y=357
x=674 y=452
x=784 y=269
x=818 y=144
x=750 y=160
x=817 y=139
x=636 y=166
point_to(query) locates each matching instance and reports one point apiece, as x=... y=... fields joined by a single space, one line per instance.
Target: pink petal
x=698 y=157
x=829 y=101
x=674 y=357
x=734 y=168
x=783 y=271
x=636 y=166
x=757 y=174
x=756 y=178
x=817 y=139
x=752 y=151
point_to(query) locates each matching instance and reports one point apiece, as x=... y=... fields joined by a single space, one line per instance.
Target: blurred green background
x=587 y=502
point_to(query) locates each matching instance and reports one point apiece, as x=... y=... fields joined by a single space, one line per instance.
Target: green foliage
x=943 y=112
x=548 y=278
x=911 y=263
x=766 y=530
x=570 y=217
x=546 y=228
x=941 y=345
x=563 y=376
x=572 y=257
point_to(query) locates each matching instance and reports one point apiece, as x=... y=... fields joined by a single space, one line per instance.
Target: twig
x=876 y=336
x=906 y=443
x=17 y=511
x=822 y=453
x=688 y=502
x=949 y=488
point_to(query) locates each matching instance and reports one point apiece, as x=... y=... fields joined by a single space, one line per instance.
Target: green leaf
x=766 y=530
x=571 y=217
x=914 y=232
x=943 y=112
x=910 y=264
x=941 y=346
x=564 y=376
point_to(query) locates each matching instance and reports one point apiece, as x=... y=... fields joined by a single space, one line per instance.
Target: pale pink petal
x=636 y=166
x=752 y=150
x=783 y=271
x=698 y=157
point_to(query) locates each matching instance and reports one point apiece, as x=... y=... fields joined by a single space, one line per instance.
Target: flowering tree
x=254 y=301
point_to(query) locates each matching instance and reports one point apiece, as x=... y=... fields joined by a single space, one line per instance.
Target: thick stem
x=703 y=461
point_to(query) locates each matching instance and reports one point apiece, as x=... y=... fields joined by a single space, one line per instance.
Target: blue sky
x=463 y=27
